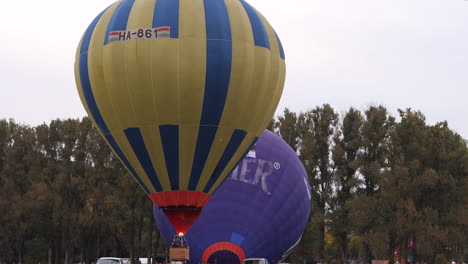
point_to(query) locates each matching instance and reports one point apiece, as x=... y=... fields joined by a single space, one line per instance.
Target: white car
x=110 y=260
x=256 y=261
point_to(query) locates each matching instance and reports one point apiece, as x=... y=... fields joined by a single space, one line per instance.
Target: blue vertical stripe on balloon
x=206 y=135
x=91 y=102
x=166 y=13
x=258 y=28
x=218 y=74
x=119 y=19
x=170 y=144
x=137 y=143
x=231 y=148
x=217 y=20
x=218 y=61
x=280 y=46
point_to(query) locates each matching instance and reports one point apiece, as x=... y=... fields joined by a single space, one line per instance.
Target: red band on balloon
x=180 y=199
x=224 y=245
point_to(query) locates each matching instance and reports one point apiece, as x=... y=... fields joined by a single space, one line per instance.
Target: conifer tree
x=347 y=144
x=316 y=128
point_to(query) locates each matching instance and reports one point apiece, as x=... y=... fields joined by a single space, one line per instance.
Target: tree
x=372 y=160
x=287 y=128
x=447 y=196
x=18 y=160
x=316 y=130
x=347 y=144
x=435 y=161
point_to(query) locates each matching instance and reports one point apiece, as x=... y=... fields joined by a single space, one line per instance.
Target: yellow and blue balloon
x=180 y=90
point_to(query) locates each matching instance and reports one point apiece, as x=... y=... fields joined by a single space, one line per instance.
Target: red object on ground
x=181 y=207
x=224 y=245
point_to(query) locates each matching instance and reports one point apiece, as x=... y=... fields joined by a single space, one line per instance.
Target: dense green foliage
x=65 y=198
x=378 y=183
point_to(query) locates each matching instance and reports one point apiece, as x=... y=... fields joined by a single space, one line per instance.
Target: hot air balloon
x=261 y=210
x=180 y=89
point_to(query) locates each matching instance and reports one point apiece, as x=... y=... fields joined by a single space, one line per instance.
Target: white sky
x=399 y=53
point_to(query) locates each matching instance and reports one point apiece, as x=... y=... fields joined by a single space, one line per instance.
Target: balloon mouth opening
x=182 y=218
x=223 y=246
x=182 y=208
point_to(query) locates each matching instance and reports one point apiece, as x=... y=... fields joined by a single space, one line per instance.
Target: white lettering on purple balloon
x=264 y=168
x=234 y=173
x=245 y=170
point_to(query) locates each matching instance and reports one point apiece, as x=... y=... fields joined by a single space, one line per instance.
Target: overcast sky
x=398 y=53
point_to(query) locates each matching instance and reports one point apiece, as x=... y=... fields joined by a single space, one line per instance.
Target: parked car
x=256 y=261
x=111 y=260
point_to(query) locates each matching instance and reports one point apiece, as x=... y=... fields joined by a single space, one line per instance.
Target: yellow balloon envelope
x=180 y=90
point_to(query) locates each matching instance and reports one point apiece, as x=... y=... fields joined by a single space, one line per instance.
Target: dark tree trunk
x=115 y=249
x=67 y=257
x=71 y=252
x=322 y=239
x=132 y=236
x=20 y=255
x=57 y=252
x=302 y=252
x=167 y=254
x=367 y=253
x=344 y=247
x=404 y=251
x=50 y=257
x=150 y=248
x=391 y=247
x=98 y=245
x=140 y=231
x=156 y=247
x=87 y=253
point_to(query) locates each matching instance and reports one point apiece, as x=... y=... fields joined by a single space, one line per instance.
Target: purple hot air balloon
x=261 y=210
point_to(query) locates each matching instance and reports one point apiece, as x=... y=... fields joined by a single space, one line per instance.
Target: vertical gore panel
x=141 y=15
x=258 y=28
x=166 y=13
x=218 y=73
x=204 y=142
x=219 y=60
x=170 y=143
x=231 y=148
x=91 y=102
x=192 y=71
x=217 y=20
x=135 y=139
x=119 y=19
x=280 y=46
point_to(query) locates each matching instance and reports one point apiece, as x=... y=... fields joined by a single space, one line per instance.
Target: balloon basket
x=179 y=251
x=179 y=254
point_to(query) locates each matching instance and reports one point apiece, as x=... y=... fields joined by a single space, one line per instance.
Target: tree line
x=379 y=183
x=65 y=198
x=381 y=186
